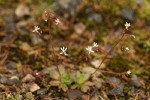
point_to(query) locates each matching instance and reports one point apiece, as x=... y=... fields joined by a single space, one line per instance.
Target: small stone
x=3 y=80
x=98 y=82
x=14 y=79
x=10 y=82
x=88 y=10
x=95 y=63
x=93 y=16
x=42 y=91
x=117 y=91
x=133 y=90
x=29 y=96
x=94 y=91
x=128 y=14
x=15 y=74
x=10 y=24
x=28 y=78
x=143 y=96
x=25 y=46
x=88 y=70
x=113 y=81
x=22 y=10
x=11 y=66
x=140 y=2
x=86 y=97
x=79 y=28
x=96 y=17
x=135 y=81
x=34 y=87
x=22 y=27
x=49 y=69
x=95 y=97
x=64 y=4
x=54 y=74
x=67 y=7
x=36 y=39
x=6 y=81
x=74 y=94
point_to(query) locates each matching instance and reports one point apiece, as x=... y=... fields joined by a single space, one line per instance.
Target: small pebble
x=3 y=80
x=117 y=91
x=128 y=14
x=79 y=28
x=34 y=87
x=28 y=78
x=42 y=91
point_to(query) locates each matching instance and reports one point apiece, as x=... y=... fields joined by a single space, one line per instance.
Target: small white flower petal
x=128 y=72
x=36 y=29
x=45 y=20
x=90 y=49
x=57 y=21
x=63 y=50
x=127 y=25
x=95 y=44
x=126 y=48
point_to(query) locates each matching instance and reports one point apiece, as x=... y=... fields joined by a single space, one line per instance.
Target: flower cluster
x=127 y=25
x=90 y=48
x=65 y=78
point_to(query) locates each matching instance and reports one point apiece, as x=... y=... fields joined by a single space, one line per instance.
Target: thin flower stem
x=59 y=75
x=123 y=34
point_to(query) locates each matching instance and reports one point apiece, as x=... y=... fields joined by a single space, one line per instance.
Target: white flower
x=36 y=29
x=89 y=49
x=63 y=50
x=126 y=48
x=45 y=20
x=128 y=72
x=127 y=25
x=57 y=21
x=95 y=44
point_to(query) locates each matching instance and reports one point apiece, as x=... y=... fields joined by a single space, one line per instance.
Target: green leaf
x=66 y=79
x=80 y=78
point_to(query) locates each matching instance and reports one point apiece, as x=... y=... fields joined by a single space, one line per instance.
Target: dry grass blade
x=4 y=57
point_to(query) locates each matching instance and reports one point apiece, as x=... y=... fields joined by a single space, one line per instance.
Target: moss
x=119 y=64
x=66 y=79
x=147 y=46
x=143 y=12
x=113 y=7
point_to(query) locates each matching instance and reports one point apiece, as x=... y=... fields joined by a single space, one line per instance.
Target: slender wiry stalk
x=59 y=75
x=123 y=34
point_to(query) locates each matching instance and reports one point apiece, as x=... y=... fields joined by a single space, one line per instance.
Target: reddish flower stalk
x=123 y=34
